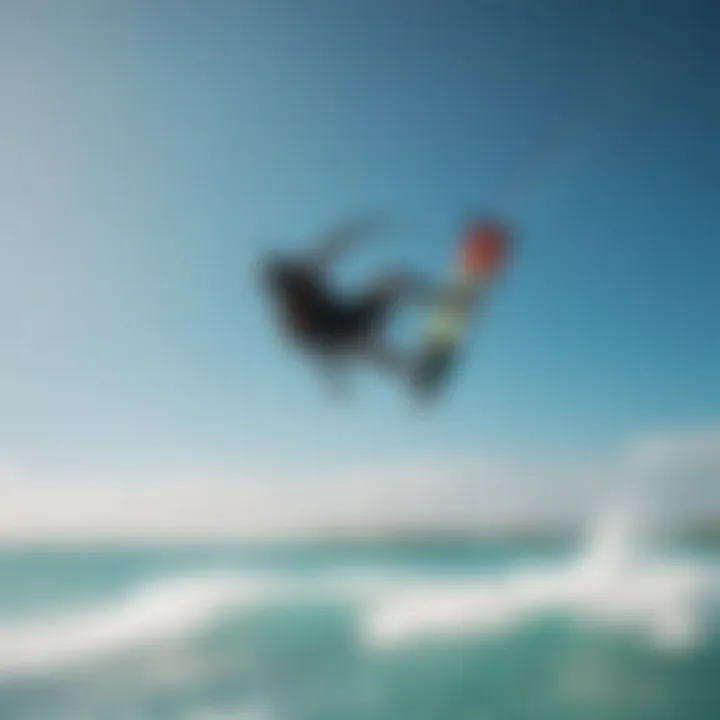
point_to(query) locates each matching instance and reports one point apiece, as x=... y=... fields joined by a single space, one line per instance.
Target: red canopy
x=484 y=248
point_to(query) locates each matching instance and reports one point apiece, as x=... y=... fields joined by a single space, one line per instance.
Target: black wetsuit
x=332 y=326
x=316 y=317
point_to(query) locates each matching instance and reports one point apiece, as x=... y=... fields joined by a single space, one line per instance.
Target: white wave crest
x=611 y=582
x=161 y=611
x=164 y=611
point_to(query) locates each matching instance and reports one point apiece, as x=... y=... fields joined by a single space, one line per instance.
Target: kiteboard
x=481 y=255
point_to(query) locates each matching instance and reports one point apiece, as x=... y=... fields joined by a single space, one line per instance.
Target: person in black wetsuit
x=331 y=327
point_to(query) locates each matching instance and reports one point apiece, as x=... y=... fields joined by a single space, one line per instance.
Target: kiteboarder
x=334 y=328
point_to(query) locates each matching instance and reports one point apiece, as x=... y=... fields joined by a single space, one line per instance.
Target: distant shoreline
x=705 y=532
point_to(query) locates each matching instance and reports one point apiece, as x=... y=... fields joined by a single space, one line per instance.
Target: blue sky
x=151 y=151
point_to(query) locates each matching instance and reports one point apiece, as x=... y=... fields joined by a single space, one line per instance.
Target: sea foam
x=609 y=582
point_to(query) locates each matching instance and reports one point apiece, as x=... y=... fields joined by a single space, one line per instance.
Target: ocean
x=599 y=629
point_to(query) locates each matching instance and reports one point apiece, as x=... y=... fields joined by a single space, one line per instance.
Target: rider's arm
x=337 y=241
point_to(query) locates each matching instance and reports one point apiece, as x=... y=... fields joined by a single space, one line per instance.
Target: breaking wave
x=163 y=610
x=609 y=582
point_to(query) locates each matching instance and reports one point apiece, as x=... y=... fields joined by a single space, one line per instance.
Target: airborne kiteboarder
x=335 y=329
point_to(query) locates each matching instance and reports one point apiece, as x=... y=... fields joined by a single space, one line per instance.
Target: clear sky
x=151 y=150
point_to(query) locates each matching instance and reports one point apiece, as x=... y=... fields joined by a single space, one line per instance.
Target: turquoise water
x=382 y=632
